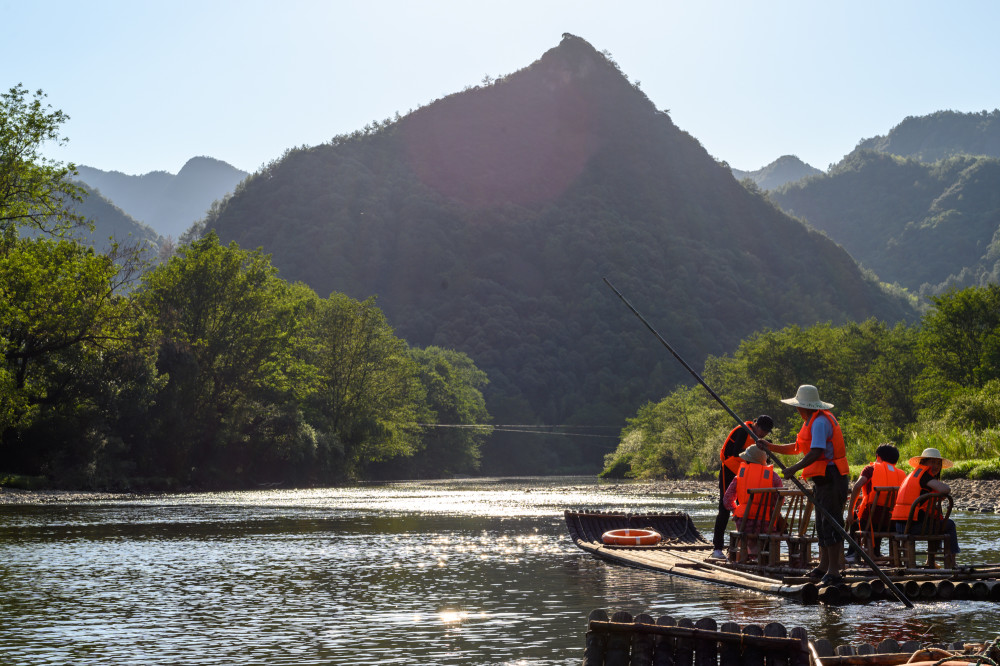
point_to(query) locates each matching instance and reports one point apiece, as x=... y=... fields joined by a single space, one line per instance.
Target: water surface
x=458 y=572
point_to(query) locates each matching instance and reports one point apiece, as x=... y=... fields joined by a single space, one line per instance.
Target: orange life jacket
x=908 y=493
x=734 y=462
x=803 y=443
x=752 y=475
x=883 y=474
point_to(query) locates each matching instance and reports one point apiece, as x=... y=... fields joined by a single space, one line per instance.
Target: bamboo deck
x=621 y=640
x=685 y=552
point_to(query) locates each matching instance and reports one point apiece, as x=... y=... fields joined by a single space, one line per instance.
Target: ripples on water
x=465 y=572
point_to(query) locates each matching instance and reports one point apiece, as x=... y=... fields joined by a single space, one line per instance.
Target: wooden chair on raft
x=924 y=527
x=871 y=530
x=787 y=513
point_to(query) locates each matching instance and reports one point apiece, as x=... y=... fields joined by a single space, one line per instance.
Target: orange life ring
x=631 y=537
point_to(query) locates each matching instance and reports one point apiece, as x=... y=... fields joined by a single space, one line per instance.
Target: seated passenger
x=753 y=473
x=881 y=473
x=923 y=479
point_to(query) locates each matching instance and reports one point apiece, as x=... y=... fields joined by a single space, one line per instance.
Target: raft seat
x=924 y=530
x=876 y=526
x=781 y=516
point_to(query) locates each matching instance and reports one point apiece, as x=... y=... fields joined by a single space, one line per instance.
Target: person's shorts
x=830 y=493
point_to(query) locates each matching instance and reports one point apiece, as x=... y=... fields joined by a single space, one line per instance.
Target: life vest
x=883 y=474
x=734 y=462
x=803 y=442
x=908 y=493
x=749 y=477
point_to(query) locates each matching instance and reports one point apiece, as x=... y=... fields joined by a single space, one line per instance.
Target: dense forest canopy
x=935 y=384
x=485 y=221
x=929 y=227
x=941 y=135
x=206 y=370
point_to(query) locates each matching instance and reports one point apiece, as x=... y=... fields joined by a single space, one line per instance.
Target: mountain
x=166 y=202
x=111 y=222
x=941 y=135
x=486 y=220
x=928 y=227
x=784 y=170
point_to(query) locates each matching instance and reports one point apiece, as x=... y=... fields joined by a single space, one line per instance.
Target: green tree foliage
x=454 y=398
x=34 y=192
x=226 y=324
x=368 y=394
x=63 y=319
x=960 y=340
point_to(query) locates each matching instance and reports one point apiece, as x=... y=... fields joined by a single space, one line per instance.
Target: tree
x=226 y=324
x=62 y=316
x=34 y=191
x=960 y=338
x=368 y=393
x=454 y=398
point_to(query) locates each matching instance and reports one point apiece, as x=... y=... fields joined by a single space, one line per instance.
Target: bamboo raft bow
x=896 y=592
x=684 y=552
x=622 y=640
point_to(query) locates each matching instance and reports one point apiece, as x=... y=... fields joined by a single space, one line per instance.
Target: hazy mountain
x=784 y=170
x=941 y=135
x=168 y=203
x=111 y=222
x=926 y=226
x=486 y=220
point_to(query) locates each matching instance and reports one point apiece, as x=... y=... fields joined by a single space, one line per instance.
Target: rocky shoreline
x=970 y=495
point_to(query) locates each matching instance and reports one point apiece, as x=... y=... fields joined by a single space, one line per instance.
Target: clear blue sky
x=149 y=84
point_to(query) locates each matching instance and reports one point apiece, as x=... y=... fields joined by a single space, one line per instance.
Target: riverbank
x=970 y=495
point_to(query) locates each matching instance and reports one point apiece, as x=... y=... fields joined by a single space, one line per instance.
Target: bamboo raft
x=622 y=640
x=684 y=552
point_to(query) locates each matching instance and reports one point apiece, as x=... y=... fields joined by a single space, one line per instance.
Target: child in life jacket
x=864 y=503
x=754 y=472
x=924 y=479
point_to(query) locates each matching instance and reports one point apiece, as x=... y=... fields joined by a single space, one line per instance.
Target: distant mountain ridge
x=168 y=203
x=786 y=169
x=928 y=227
x=941 y=135
x=485 y=222
x=111 y=222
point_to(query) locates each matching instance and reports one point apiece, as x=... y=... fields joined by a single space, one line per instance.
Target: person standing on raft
x=821 y=443
x=737 y=442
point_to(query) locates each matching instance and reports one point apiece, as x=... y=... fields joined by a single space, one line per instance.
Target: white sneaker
x=717 y=555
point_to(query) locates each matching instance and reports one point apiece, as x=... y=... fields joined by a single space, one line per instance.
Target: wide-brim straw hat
x=754 y=454
x=931 y=453
x=807 y=397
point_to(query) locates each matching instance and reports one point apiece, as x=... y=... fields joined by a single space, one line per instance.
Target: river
x=447 y=572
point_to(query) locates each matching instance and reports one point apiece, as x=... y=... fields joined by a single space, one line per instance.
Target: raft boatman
x=754 y=473
x=882 y=473
x=737 y=441
x=924 y=479
x=821 y=443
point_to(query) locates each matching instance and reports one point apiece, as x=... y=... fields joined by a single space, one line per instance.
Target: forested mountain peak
x=941 y=135
x=786 y=169
x=485 y=221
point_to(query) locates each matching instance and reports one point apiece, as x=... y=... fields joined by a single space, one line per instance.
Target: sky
x=149 y=84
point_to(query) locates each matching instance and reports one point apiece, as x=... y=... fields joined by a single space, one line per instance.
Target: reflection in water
x=471 y=572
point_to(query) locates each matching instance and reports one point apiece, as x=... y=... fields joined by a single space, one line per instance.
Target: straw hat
x=931 y=453
x=754 y=454
x=807 y=397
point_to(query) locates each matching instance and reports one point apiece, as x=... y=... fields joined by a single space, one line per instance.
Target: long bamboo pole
x=774 y=459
